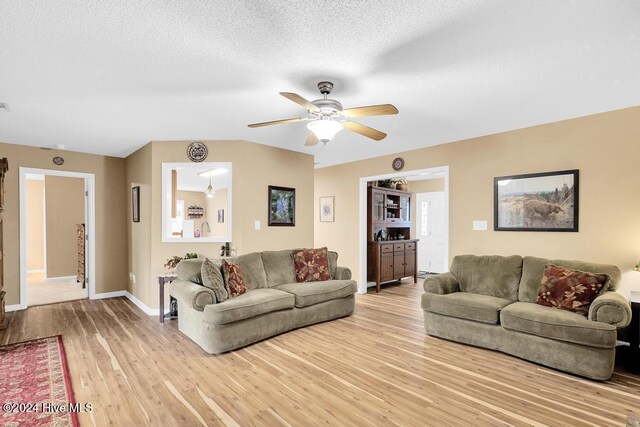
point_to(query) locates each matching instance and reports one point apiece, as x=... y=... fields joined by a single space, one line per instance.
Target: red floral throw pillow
x=569 y=289
x=312 y=265
x=233 y=278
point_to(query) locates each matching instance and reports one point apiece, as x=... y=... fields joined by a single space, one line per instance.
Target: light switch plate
x=479 y=225
x=257 y=224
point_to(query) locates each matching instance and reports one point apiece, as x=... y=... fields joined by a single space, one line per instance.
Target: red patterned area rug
x=35 y=388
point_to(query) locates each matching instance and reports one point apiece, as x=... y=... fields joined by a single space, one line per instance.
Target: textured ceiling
x=108 y=76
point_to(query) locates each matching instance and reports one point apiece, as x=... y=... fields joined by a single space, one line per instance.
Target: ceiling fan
x=327 y=117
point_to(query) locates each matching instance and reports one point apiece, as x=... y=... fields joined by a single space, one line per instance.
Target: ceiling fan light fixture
x=325 y=130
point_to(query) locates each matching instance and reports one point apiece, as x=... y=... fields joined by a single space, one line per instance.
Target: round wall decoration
x=197 y=152
x=57 y=160
x=397 y=164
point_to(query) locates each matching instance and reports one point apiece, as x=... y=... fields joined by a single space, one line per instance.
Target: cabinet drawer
x=386 y=248
x=398 y=247
x=410 y=246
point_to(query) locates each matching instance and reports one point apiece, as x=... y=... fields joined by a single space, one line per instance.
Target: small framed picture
x=135 y=203
x=537 y=202
x=220 y=216
x=327 y=206
x=282 y=206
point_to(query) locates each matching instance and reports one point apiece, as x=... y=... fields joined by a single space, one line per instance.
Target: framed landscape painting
x=536 y=202
x=282 y=206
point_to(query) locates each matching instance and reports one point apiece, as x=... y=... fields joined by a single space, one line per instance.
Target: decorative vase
x=402 y=187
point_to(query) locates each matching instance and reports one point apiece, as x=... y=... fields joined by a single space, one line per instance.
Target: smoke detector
x=4 y=106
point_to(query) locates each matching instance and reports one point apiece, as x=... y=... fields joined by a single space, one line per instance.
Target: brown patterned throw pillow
x=569 y=289
x=212 y=278
x=312 y=265
x=234 y=278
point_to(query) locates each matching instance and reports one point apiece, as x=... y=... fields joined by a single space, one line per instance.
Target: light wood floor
x=40 y=291
x=376 y=367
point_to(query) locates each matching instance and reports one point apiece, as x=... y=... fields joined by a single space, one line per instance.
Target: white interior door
x=431 y=230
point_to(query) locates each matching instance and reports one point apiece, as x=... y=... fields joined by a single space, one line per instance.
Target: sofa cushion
x=572 y=290
x=333 y=263
x=251 y=304
x=496 y=276
x=557 y=324
x=533 y=269
x=278 y=266
x=252 y=270
x=310 y=293
x=312 y=265
x=477 y=307
x=190 y=270
x=212 y=279
x=234 y=279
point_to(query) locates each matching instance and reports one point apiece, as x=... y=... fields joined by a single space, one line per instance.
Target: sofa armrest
x=612 y=308
x=192 y=294
x=342 y=273
x=445 y=283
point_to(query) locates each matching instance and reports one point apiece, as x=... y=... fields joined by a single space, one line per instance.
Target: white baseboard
x=61 y=279
x=13 y=307
x=104 y=295
x=144 y=307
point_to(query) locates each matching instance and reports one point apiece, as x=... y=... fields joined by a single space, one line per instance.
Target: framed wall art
x=327 y=209
x=135 y=203
x=537 y=202
x=282 y=206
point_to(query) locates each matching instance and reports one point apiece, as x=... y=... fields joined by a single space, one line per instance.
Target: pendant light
x=209 y=191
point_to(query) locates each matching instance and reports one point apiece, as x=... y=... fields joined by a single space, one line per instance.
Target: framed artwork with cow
x=536 y=202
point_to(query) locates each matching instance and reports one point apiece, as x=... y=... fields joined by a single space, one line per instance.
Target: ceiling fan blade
x=300 y=101
x=371 y=110
x=365 y=130
x=311 y=140
x=277 y=122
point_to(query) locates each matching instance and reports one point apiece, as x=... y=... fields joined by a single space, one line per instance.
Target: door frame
x=427 y=195
x=90 y=221
x=362 y=235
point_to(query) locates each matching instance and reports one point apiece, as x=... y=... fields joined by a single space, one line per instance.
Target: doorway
x=414 y=179
x=431 y=232
x=56 y=236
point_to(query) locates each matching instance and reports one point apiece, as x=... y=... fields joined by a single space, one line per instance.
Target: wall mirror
x=196 y=202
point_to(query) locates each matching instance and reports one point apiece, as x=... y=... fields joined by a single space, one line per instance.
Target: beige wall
x=35 y=224
x=424 y=186
x=64 y=201
x=111 y=235
x=219 y=201
x=255 y=167
x=603 y=147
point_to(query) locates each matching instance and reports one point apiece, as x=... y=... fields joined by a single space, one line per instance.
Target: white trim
x=144 y=307
x=166 y=197
x=13 y=307
x=60 y=278
x=90 y=221
x=105 y=295
x=362 y=235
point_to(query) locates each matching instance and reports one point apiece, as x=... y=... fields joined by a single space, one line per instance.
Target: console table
x=164 y=279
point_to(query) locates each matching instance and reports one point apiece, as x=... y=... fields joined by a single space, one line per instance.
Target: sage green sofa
x=274 y=303
x=489 y=301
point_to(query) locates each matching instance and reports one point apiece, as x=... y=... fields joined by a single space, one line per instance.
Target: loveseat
x=489 y=301
x=274 y=302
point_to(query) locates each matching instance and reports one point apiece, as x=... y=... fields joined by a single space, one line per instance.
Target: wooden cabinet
x=388 y=261
x=4 y=167
x=391 y=254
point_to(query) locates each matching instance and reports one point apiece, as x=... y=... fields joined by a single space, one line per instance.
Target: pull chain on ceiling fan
x=327 y=117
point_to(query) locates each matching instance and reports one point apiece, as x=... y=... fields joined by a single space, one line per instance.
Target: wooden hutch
x=4 y=167
x=391 y=252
